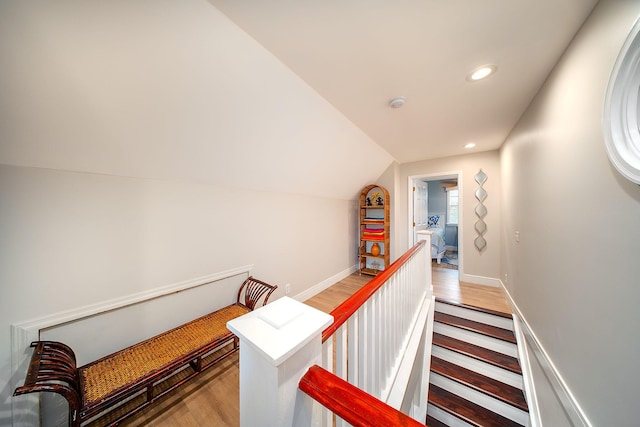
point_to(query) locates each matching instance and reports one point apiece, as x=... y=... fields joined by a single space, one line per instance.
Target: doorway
x=435 y=203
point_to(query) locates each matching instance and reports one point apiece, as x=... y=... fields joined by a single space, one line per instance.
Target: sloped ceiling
x=358 y=54
x=168 y=90
x=281 y=95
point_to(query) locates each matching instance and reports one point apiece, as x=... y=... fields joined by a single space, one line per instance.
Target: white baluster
x=341 y=361
x=353 y=346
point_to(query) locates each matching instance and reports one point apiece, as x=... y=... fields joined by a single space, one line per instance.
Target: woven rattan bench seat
x=110 y=389
x=131 y=365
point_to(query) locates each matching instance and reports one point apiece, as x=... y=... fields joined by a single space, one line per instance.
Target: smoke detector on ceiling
x=397 y=102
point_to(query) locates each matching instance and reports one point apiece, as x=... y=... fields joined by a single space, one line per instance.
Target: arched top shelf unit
x=374 y=229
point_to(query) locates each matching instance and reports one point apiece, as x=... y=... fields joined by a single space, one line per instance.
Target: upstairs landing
x=446 y=286
x=213 y=398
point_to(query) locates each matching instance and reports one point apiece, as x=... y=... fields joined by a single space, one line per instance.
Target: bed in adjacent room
x=438 y=247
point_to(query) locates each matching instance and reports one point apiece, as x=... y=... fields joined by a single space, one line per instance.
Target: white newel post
x=426 y=236
x=278 y=343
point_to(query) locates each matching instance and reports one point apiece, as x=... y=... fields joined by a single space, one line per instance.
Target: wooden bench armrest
x=53 y=369
x=254 y=289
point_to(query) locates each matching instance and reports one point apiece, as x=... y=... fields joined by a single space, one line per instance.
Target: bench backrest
x=254 y=290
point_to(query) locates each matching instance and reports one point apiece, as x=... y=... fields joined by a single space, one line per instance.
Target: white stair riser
x=481 y=340
x=478 y=366
x=477 y=316
x=445 y=417
x=479 y=398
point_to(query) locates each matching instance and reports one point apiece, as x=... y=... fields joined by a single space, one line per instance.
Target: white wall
x=477 y=267
x=144 y=144
x=72 y=240
x=574 y=274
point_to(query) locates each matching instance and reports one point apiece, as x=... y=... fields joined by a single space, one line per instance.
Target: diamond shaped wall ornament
x=481 y=210
x=481 y=177
x=481 y=194
x=480 y=243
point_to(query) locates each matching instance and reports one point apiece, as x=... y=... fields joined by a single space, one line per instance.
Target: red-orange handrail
x=347 y=401
x=345 y=310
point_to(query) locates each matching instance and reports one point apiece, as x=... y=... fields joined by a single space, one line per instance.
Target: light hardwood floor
x=447 y=286
x=212 y=399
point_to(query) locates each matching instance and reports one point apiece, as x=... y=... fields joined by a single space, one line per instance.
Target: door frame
x=437 y=177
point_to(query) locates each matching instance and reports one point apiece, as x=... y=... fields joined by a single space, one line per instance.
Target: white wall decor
x=481 y=211
x=621 y=116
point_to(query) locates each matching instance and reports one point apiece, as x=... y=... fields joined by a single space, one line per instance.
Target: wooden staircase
x=476 y=379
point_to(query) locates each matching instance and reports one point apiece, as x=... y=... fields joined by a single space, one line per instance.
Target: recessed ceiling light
x=397 y=102
x=481 y=72
x=470 y=145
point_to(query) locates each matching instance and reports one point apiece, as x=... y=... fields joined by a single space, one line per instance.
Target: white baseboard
x=527 y=375
x=567 y=400
x=316 y=289
x=480 y=280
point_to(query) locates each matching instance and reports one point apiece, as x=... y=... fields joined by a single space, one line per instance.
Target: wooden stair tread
x=475 y=308
x=432 y=422
x=489 y=386
x=489 y=356
x=481 y=328
x=467 y=411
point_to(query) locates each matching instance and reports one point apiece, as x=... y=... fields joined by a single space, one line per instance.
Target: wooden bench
x=117 y=386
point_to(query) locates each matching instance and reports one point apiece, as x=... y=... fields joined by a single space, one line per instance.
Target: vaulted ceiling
x=360 y=54
x=250 y=94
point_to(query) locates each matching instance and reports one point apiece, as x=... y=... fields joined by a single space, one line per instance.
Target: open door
x=420 y=207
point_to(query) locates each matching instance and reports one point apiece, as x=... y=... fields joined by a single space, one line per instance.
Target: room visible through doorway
x=436 y=206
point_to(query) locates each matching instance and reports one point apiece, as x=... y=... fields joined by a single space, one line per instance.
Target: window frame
x=449 y=205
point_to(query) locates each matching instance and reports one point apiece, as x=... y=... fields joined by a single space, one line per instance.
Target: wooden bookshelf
x=374 y=229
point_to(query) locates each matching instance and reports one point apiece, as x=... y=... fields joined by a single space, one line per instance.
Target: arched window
x=621 y=116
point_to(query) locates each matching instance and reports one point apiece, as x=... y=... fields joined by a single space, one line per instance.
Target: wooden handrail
x=345 y=310
x=347 y=401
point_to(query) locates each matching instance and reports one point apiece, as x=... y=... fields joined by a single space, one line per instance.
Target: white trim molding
x=316 y=289
x=479 y=280
x=527 y=375
x=571 y=406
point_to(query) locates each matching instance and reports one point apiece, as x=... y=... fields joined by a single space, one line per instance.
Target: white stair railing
x=383 y=346
x=380 y=342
